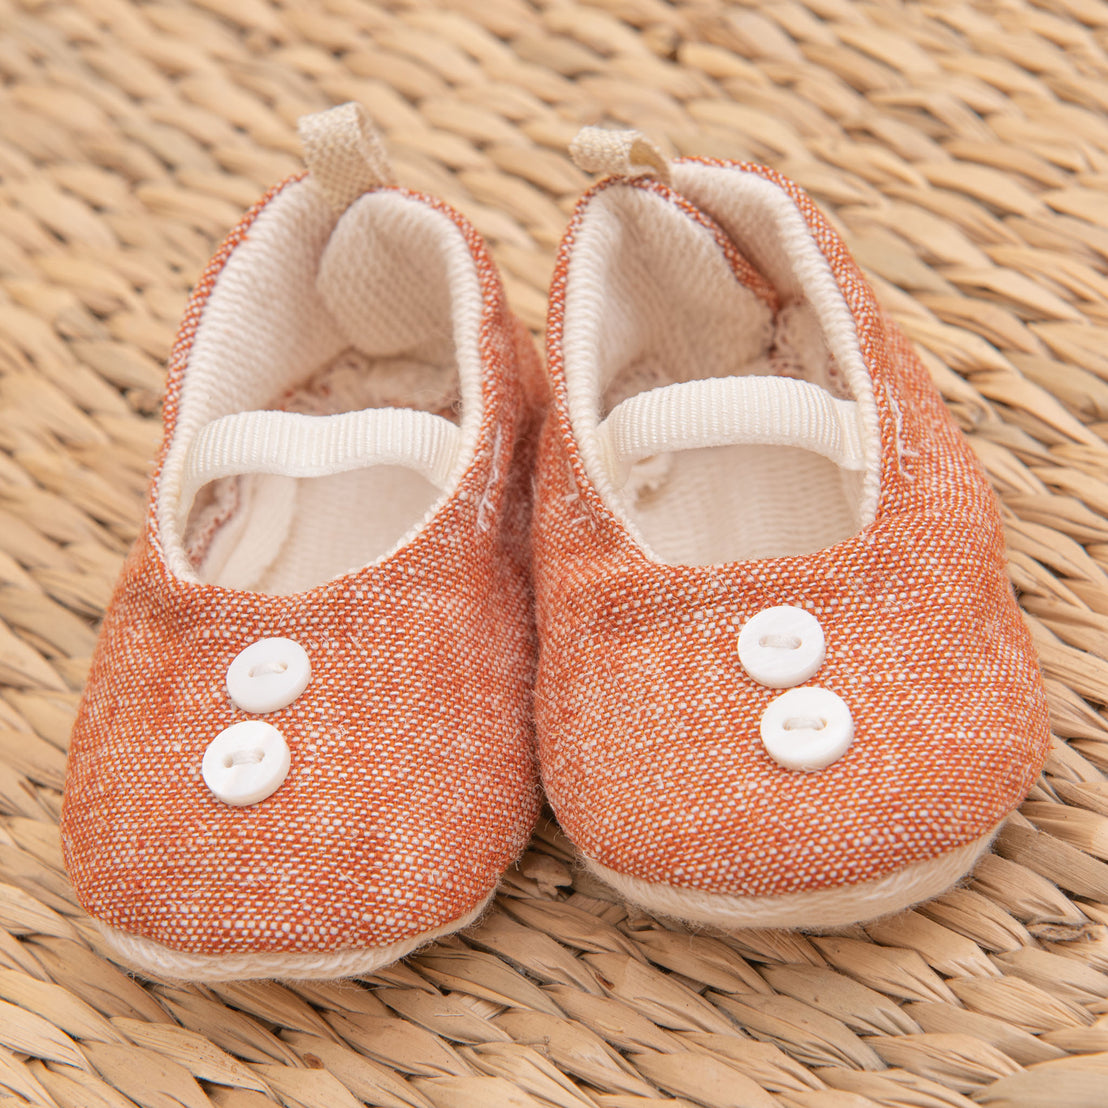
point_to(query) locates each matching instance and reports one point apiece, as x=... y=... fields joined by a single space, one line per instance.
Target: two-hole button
x=246 y=762
x=782 y=647
x=267 y=675
x=806 y=729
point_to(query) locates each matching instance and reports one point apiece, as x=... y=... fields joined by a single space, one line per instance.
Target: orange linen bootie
x=305 y=746
x=783 y=679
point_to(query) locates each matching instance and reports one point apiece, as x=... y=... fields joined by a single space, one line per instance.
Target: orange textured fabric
x=648 y=724
x=412 y=783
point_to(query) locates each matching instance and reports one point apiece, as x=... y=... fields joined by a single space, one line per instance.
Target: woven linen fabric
x=648 y=724
x=412 y=783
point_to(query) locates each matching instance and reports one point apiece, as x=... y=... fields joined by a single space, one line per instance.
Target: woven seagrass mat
x=961 y=147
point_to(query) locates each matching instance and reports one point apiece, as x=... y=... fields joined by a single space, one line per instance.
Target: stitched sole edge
x=162 y=962
x=817 y=910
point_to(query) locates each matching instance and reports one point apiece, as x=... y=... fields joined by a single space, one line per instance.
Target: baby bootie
x=305 y=745
x=783 y=679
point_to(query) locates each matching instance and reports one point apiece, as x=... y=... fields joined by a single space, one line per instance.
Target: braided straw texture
x=962 y=150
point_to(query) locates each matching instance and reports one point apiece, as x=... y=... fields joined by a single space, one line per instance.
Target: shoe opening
x=714 y=377
x=332 y=395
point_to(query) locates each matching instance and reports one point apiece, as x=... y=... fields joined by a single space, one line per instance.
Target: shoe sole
x=817 y=910
x=154 y=960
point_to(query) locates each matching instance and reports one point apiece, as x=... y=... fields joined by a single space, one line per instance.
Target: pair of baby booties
x=726 y=571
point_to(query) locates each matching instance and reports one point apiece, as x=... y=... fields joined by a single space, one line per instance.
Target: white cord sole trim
x=817 y=910
x=155 y=960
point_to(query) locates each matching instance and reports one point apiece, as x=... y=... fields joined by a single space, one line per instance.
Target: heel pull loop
x=344 y=154
x=618 y=154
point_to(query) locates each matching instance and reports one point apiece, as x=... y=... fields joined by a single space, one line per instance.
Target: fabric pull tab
x=344 y=154
x=618 y=154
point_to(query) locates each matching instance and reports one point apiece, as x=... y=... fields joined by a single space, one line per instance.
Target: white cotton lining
x=652 y=303
x=348 y=322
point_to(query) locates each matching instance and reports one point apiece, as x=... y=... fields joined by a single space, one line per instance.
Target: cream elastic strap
x=344 y=154
x=289 y=444
x=727 y=411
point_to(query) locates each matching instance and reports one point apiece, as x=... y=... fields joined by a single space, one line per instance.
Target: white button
x=268 y=675
x=246 y=762
x=807 y=728
x=781 y=647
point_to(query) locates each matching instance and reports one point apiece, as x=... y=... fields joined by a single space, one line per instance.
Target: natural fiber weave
x=961 y=148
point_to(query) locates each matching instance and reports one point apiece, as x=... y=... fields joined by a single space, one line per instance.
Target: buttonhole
x=804 y=723
x=243 y=758
x=780 y=642
x=268 y=667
